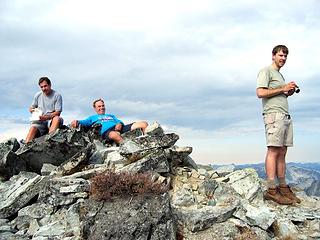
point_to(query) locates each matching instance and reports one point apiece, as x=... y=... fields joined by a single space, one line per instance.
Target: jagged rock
x=200 y=219
x=98 y=155
x=18 y=191
x=184 y=197
x=75 y=163
x=53 y=149
x=63 y=224
x=154 y=129
x=206 y=204
x=10 y=163
x=260 y=216
x=207 y=187
x=146 y=217
x=245 y=182
x=61 y=191
x=179 y=156
x=225 y=170
x=131 y=135
x=155 y=161
x=285 y=228
x=138 y=148
x=47 y=168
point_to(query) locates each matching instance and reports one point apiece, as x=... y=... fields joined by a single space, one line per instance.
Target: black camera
x=297 y=89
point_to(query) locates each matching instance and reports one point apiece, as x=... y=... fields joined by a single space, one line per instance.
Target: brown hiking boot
x=287 y=192
x=274 y=195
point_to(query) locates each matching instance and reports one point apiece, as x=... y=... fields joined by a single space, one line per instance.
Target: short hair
x=279 y=48
x=95 y=101
x=44 y=79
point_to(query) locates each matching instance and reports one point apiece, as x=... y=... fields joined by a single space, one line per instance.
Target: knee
x=143 y=124
x=114 y=135
x=283 y=151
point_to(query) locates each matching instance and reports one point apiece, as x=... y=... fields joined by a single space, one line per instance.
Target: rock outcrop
x=46 y=193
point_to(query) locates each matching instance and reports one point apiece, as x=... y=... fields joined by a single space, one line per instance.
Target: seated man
x=111 y=127
x=50 y=103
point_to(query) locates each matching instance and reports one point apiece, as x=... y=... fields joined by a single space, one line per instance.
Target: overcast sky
x=190 y=65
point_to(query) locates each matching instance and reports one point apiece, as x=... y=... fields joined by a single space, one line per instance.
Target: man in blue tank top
x=111 y=126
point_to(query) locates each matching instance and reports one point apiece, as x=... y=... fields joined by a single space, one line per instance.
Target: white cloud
x=191 y=64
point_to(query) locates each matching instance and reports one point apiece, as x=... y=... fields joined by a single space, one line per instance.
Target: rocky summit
x=49 y=189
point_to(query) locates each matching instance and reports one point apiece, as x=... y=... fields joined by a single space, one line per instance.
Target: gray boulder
x=10 y=163
x=147 y=217
x=18 y=191
x=139 y=147
x=53 y=149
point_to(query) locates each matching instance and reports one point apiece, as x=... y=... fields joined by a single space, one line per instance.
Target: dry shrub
x=109 y=184
x=246 y=234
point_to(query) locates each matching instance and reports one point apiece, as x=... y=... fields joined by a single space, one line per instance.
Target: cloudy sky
x=190 y=65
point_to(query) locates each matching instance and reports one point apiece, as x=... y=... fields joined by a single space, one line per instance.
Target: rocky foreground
x=46 y=193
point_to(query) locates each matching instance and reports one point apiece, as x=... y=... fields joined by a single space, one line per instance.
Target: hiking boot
x=287 y=192
x=274 y=195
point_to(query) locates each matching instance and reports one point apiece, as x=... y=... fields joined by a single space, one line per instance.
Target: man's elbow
x=259 y=93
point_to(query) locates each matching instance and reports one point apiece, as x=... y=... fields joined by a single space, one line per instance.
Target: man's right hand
x=74 y=123
x=118 y=127
x=31 y=109
x=289 y=87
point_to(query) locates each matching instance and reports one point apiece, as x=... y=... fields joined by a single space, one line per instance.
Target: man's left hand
x=118 y=127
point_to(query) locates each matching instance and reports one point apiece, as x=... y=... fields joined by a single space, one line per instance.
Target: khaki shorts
x=278 y=129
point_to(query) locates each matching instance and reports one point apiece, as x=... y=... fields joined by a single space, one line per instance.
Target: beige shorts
x=278 y=128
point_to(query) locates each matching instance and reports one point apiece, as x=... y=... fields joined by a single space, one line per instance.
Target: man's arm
x=49 y=116
x=270 y=92
x=86 y=122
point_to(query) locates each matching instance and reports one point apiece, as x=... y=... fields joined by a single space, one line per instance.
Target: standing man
x=50 y=103
x=111 y=126
x=273 y=90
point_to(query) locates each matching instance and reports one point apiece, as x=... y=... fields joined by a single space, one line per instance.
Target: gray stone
x=155 y=161
x=202 y=172
x=130 y=135
x=183 y=197
x=154 y=129
x=245 y=182
x=47 y=168
x=207 y=187
x=64 y=223
x=260 y=216
x=75 y=163
x=52 y=148
x=139 y=147
x=147 y=217
x=200 y=219
x=18 y=191
x=286 y=228
x=179 y=156
x=10 y=163
x=64 y=191
x=37 y=210
x=224 y=170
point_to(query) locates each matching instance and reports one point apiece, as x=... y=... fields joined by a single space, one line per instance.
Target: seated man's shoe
x=274 y=195
x=287 y=192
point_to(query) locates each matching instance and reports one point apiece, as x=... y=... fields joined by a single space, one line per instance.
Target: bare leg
x=55 y=123
x=271 y=162
x=115 y=136
x=31 y=134
x=281 y=162
x=142 y=124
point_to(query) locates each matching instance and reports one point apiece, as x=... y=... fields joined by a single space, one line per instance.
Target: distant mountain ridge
x=305 y=176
